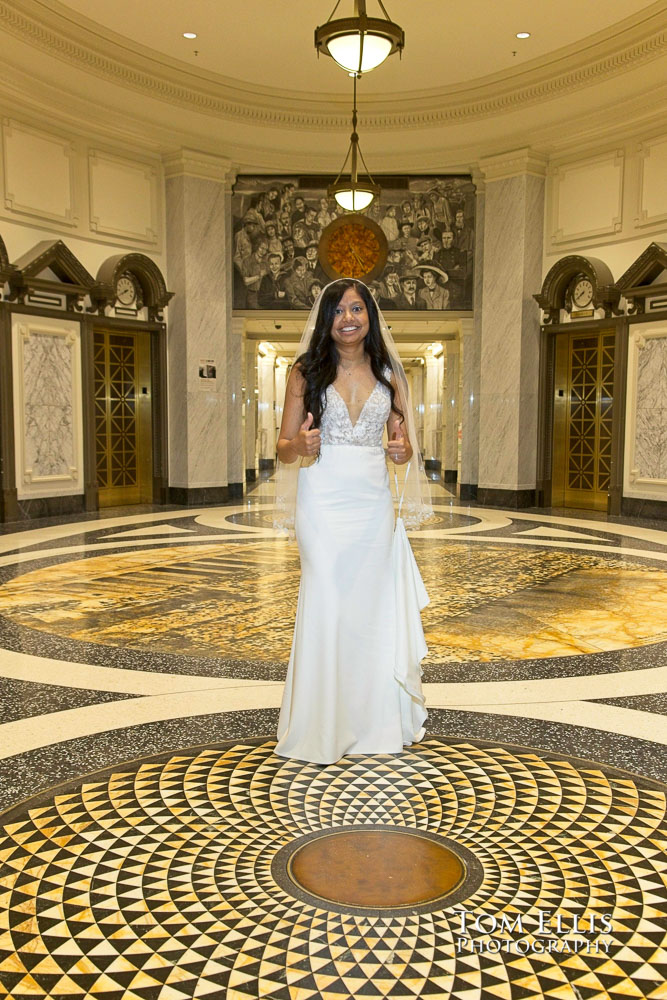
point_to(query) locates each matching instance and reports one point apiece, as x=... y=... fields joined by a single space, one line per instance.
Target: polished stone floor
x=148 y=832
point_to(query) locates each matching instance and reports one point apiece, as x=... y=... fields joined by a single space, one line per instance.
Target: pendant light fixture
x=360 y=43
x=354 y=194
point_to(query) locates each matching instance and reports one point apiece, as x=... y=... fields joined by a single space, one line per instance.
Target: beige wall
x=97 y=198
x=608 y=203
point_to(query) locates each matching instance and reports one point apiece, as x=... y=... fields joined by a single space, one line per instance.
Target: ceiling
x=270 y=44
x=250 y=88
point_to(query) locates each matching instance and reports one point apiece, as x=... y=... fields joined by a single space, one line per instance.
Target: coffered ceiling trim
x=125 y=63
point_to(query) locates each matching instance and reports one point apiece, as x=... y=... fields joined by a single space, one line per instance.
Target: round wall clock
x=582 y=292
x=353 y=246
x=127 y=290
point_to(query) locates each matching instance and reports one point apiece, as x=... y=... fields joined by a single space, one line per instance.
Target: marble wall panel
x=452 y=410
x=468 y=473
x=207 y=439
x=509 y=350
x=234 y=374
x=646 y=413
x=433 y=422
x=47 y=407
x=250 y=406
x=199 y=329
x=266 y=421
x=651 y=423
x=470 y=342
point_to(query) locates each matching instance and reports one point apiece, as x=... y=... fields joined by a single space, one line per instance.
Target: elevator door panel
x=122 y=418
x=581 y=472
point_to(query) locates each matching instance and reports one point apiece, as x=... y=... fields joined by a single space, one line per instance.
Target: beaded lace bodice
x=337 y=427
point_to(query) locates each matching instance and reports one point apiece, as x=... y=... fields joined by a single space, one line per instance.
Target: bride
x=353 y=682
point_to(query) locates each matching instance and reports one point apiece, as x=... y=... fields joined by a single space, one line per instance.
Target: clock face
x=582 y=293
x=126 y=290
x=353 y=246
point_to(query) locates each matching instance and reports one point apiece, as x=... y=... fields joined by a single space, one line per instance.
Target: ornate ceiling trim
x=138 y=69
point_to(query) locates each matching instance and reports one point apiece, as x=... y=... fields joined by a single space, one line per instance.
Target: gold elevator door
x=583 y=420
x=122 y=380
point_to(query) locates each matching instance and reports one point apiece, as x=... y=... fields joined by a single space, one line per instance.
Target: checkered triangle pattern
x=154 y=882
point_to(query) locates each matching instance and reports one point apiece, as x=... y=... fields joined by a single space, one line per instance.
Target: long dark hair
x=320 y=362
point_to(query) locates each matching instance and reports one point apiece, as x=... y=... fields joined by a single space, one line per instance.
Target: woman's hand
x=398 y=448
x=307 y=442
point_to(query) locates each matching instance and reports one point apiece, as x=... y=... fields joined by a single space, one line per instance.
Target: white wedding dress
x=353 y=682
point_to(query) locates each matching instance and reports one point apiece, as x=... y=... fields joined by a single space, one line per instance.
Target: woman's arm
x=296 y=437
x=398 y=444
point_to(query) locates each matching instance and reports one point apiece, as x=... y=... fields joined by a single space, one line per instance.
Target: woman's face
x=351 y=321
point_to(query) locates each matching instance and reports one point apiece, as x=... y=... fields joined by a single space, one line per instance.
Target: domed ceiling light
x=354 y=194
x=359 y=44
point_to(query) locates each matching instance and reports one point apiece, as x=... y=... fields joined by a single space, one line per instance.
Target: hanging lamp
x=354 y=194
x=360 y=43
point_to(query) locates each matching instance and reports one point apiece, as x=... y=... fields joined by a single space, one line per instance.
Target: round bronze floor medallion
x=374 y=867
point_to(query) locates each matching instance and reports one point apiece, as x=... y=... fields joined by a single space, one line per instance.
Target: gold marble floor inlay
x=154 y=880
x=375 y=868
x=238 y=600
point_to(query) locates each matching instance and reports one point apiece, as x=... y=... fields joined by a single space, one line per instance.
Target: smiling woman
x=353 y=680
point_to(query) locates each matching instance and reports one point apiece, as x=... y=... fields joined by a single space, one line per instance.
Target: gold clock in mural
x=353 y=246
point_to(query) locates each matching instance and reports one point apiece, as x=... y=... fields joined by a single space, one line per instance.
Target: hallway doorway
x=123 y=432
x=583 y=405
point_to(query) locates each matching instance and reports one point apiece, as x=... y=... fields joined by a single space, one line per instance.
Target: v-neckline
x=361 y=411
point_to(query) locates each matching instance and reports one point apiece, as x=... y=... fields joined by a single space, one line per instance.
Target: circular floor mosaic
x=153 y=881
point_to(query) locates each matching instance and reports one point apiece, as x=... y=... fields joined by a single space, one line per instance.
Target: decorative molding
x=147 y=274
x=97 y=52
x=643 y=271
x=7 y=270
x=55 y=255
x=193 y=163
x=71 y=277
x=557 y=237
x=148 y=172
x=516 y=163
x=11 y=203
x=642 y=218
x=555 y=296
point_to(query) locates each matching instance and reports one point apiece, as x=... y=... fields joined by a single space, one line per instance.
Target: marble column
x=509 y=367
x=235 y=442
x=280 y=376
x=266 y=406
x=469 y=360
x=452 y=412
x=198 y=225
x=415 y=376
x=250 y=409
x=433 y=413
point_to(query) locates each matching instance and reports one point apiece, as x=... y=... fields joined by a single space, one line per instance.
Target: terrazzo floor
x=147 y=824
